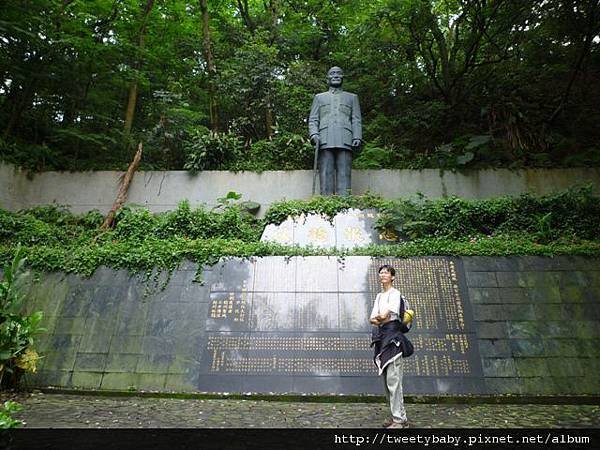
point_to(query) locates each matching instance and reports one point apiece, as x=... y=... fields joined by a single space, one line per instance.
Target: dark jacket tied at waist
x=389 y=343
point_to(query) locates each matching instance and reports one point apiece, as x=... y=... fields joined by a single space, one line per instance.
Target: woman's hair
x=389 y=268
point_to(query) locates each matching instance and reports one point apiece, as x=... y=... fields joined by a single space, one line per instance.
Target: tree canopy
x=442 y=83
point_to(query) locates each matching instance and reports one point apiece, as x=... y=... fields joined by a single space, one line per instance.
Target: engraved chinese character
x=318 y=234
x=354 y=234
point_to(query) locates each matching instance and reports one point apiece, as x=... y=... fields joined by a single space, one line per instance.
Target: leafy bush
x=562 y=223
x=285 y=151
x=17 y=354
x=6 y=420
x=231 y=222
x=212 y=151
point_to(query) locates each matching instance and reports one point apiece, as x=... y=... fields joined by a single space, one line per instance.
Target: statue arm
x=313 y=119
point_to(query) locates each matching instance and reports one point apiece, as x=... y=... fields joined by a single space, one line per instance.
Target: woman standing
x=390 y=344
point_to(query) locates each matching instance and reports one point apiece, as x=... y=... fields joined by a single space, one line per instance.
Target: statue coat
x=335 y=117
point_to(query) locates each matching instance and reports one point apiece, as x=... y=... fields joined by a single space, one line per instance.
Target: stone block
x=491 y=330
x=62 y=360
x=45 y=378
x=509 y=385
x=531 y=367
x=353 y=274
x=548 y=311
x=585 y=311
x=90 y=362
x=562 y=348
x=557 y=329
x=544 y=294
x=98 y=342
x=564 y=367
x=322 y=280
x=355 y=308
x=121 y=362
x=484 y=312
x=126 y=344
x=481 y=279
x=182 y=277
x=494 y=348
x=499 y=367
x=527 y=347
x=120 y=381
x=87 y=380
x=588 y=348
x=265 y=270
x=541 y=279
x=65 y=342
x=479 y=264
x=524 y=330
x=155 y=363
x=518 y=312
x=484 y=295
x=235 y=274
x=574 y=278
x=572 y=294
x=539 y=386
x=152 y=381
x=315 y=311
x=77 y=302
x=157 y=345
x=70 y=325
x=585 y=385
x=513 y=295
x=273 y=311
x=509 y=279
x=132 y=319
x=179 y=383
x=584 y=329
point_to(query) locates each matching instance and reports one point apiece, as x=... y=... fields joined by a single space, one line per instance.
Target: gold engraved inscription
x=354 y=234
x=290 y=355
x=229 y=307
x=318 y=234
x=431 y=287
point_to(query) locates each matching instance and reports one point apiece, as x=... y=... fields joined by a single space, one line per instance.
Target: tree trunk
x=210 y=66
x=123 y=190
x=133 y=86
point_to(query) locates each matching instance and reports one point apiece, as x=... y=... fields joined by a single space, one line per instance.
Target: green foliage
x=212 y=151
x=571 y=213
x=55 y=240
x=285 y=151
x=431 y=83
x=17 y=329
x=327 y=206
x=8 y=409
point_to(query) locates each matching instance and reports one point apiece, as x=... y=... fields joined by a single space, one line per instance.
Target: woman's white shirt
x=387 y=301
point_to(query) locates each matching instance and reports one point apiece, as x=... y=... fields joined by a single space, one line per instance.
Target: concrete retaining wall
x=163 y=190
x=535 y=320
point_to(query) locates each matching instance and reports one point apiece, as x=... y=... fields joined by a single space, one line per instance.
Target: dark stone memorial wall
x=520 y=325
x=301 y=325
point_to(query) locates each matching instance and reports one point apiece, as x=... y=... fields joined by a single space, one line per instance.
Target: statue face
x=335 y=77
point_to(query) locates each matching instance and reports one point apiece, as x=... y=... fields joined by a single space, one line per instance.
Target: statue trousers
x=335 y=168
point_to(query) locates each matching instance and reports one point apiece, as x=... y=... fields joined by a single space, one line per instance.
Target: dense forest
x=227 y=84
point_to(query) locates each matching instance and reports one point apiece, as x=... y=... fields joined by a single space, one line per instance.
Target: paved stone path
x=80 y=411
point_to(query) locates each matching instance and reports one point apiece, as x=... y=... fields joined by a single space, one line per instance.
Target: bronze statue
x=335 y=127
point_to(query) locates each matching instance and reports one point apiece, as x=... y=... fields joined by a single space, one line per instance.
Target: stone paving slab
x=81 y=411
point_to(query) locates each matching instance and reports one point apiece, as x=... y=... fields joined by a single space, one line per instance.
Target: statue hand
x=356 y=142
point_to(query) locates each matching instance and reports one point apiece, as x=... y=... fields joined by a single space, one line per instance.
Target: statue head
x=335 y=77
